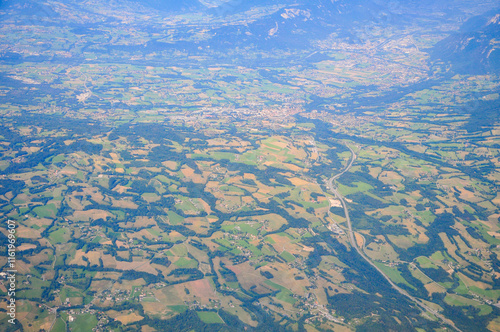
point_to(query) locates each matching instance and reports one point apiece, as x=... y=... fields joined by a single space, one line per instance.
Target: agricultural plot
x=149 y=192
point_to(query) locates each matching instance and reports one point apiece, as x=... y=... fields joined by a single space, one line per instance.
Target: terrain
x=280 y=166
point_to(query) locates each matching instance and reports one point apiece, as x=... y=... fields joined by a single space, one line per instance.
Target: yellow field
x=89 y=215
x=125 y=317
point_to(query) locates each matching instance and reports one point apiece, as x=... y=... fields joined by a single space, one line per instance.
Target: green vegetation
x=168 y=185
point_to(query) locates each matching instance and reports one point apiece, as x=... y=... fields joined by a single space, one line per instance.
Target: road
x=334 y=190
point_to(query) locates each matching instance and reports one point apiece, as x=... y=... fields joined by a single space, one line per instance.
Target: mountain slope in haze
x=475 y=49
x=173 y=5
x=296 y=24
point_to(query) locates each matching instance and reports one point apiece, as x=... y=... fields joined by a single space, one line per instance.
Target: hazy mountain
x=29 y=8
x=296 y=23
x=473 y=49
x=173 y=5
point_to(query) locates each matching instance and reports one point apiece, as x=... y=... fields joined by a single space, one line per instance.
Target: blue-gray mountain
x=474 y=49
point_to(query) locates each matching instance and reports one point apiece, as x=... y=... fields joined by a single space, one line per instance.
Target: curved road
x=366 y=258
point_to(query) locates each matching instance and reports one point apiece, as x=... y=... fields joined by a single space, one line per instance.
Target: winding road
x=419 y=302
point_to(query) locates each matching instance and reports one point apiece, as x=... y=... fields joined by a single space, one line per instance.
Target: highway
x=352 y=240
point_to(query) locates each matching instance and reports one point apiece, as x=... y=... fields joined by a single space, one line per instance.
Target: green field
x=209 y=317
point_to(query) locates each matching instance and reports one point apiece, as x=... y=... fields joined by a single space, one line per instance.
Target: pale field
x=473 y=283
x=140 y=222
x=171 y=165
x=434 y=288
x=127 y=285
x=27 y=232
x=140 y=234
x=496 y=200
x=120 y=189
x=92 y=256
x=40 y=257
x=199 y=224
x=26 y=246
x=359 y=240
x=494 y=325
x=89 y=215
x=248 y=277
x=391 y=178
x=107 y=275
x=100 y=285
x=125 y=316
x=139 y=152
x=450 y=249
x=381 y=251
x=300 y=182
x=141 y=265
x=282 y=243
x=200 y=290
x=251 y=176
x=293 y=167
x=68 y=170
x=21 y=197
x=130 y=318
x=188 y=172
x=74 y=203
x=285 y=278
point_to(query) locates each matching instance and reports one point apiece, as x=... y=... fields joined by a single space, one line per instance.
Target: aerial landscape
x=232 y=165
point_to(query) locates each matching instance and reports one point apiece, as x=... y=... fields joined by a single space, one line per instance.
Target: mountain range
x=475 y=48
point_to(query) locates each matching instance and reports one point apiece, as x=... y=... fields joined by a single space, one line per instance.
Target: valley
x=268 y=167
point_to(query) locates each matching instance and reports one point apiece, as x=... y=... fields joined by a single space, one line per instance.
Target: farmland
x=157 y=187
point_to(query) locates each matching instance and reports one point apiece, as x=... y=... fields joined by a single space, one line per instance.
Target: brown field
x=123 y=254
x=381 y=251
x=123 y=203
x=128 y=284
x=28 y=233
x=283 y=243
x=275 y=221
x=450 y=248
x=286 y=278
x=199 y=224
x=125 y=317
x=68 y=170
x=496 y=200
x=99 y=285
x=143 y=266
x=139 y=152
x=359 y=239
x=120 y=189
x=248 y=276
x=74 y=203
x=469 y=282
x=199 y=288
x=189 y=173
x=261 y=197
x=22 y=197
x=108 y=261
x=390 y=177
x=170 y=295
x=92 y=256
x=142 y=221
x=205 y=205
x=26 y=246
x=109 y=275
x=157 y=308
x=434 y=288
x=38 y=258
x=299 y=182
x=252 y=177
x=89 y=215
x=292 y=167
x=22 y=267
x=140 y=234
